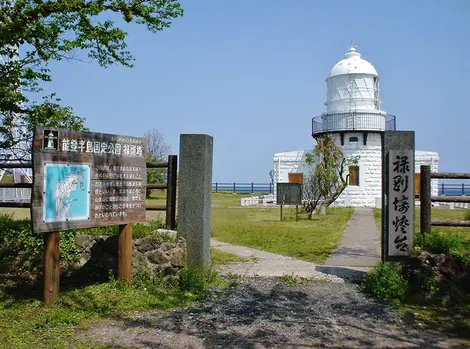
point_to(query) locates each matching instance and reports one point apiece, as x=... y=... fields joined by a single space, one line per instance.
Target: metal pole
x=425 y=197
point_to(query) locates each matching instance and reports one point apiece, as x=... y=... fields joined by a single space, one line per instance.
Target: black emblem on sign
x=51 y=140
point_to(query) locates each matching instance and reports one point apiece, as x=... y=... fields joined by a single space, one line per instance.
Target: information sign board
x=85 y=179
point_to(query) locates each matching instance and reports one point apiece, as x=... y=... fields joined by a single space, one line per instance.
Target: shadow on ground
x=266 y=314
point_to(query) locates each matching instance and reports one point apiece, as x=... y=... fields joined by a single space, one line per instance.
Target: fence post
x=270 y=188
x=253 y=191
x=171 y=192
x=442 y=189
x=425 y=197
x=216 y=187
x=463 y=189
x=51 y=266
x=125 y=253
x=234 y=187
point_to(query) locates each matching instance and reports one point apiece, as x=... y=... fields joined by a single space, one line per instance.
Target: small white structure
x=354 y=119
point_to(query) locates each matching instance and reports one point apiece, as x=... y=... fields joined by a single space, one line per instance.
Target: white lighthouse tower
x=355 y=121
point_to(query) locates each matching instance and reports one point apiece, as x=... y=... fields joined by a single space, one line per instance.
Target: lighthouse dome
x=352 y=63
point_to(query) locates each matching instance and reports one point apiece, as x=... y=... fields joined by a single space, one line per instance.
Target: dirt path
x=264 y=313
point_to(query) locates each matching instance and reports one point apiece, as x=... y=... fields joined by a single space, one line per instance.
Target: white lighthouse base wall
x=369 y=190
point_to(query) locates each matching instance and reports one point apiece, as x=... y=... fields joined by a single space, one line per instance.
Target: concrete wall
x=370 y=168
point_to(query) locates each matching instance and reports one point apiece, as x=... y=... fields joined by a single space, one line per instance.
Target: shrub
x=437 y=242
x=386 y=282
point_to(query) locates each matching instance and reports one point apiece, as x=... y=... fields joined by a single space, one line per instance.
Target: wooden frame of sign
x=84 y=180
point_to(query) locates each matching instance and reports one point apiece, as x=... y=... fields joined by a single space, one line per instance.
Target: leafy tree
x=157 y=150
x=328 y=178
x=46 y=31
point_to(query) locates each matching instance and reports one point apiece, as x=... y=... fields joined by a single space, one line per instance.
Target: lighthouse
x=354 y=119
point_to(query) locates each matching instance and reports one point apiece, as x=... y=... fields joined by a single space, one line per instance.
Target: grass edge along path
x=25 y=322
x=260 y=228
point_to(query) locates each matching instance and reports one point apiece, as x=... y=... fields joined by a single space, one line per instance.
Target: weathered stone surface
x=108 y=261
x=158 y=257
x=110 y=244
x=177 y=257
x=83 y=240
x=194 y=195
x=156 y=253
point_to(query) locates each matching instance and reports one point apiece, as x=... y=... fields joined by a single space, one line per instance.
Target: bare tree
x=158 y=149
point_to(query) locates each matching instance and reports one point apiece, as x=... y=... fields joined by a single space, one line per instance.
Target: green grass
x=454 y=320
x=261 y=228
x=220 y=257
x=26 y=323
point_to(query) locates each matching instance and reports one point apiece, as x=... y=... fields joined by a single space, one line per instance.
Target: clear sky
x=252 y=75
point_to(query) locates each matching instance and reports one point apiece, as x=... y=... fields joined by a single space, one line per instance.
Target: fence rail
x=426 y=222
x=243 y=187
x=453 y=188
x=170 y=186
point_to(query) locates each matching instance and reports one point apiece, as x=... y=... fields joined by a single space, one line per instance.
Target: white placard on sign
x=401 y=202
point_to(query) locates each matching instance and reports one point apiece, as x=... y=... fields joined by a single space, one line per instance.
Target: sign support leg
x=125 y=253
x=296 y=213
x=51 y=267
x=281 y=212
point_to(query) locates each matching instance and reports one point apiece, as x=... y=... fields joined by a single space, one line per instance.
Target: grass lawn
x=261 y=228
x=436 y=213
x=221 y=257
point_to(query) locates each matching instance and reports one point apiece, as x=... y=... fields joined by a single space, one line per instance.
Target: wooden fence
x=170 y=186
x=426 y=222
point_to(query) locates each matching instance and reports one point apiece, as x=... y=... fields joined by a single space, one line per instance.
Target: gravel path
x=264 y=313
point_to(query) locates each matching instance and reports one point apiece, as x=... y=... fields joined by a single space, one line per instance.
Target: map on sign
x=66 y=192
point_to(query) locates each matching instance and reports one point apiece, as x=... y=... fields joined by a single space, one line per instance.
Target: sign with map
x=85 y=179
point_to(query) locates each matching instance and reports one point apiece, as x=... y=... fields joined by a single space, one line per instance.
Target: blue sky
x=252 y=75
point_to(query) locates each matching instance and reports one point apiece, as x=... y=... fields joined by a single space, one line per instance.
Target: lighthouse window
x=353 y=139
x=353 y=175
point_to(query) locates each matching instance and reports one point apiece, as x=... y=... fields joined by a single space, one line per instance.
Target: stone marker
x=398 y=199
x=194 y=196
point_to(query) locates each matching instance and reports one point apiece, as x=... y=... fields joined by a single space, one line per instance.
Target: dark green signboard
x=289 y=194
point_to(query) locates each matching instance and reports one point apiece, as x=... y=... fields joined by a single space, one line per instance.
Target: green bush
x=21 y=249
x=386 y=282
x=437 y=242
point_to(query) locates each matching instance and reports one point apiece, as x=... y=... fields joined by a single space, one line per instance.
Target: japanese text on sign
x=401 y=201
x=104 y=148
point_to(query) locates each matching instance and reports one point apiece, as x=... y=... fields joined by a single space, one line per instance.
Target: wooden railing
x=170 y=186
x=426 y=222
x=242 y=187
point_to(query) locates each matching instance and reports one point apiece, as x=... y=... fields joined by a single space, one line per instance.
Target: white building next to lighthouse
x=354 y=119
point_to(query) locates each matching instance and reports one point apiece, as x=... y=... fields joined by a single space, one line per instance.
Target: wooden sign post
x=289 y=194
x=86 y=180
x=398 y=207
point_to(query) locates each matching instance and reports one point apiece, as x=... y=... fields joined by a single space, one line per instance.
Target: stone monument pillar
x=194 y=196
